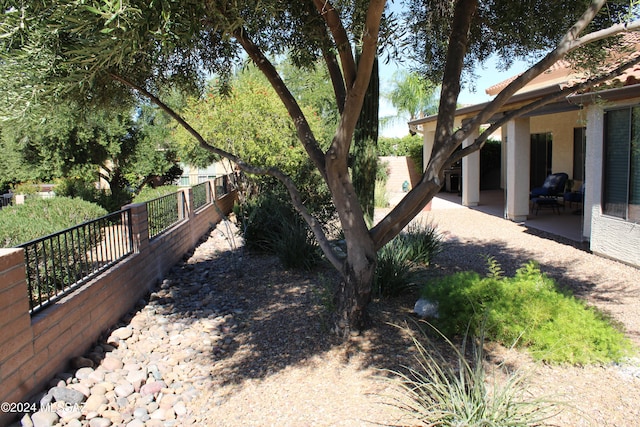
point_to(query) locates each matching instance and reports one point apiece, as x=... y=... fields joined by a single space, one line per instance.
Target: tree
x=79 y=146
x=413 y=95
x=103 y=51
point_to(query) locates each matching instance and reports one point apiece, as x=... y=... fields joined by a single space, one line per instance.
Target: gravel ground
x=306 y=378
x=234 y=340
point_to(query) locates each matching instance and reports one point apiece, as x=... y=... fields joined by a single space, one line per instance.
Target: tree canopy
x=113 y=51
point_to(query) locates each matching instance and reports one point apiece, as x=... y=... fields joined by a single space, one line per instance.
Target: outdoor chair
x=574 y=196
x=553 y=186
x=547 y=195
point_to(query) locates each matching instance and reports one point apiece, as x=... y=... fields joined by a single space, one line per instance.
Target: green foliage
x=269 y=224
x=149 y=193
x=509 y=30
x=397 y=259
x=528 y=310
x=410 y=145
x=250 y=121
x=40 y=217
x=439 y=393
x=413 y=95
x=84 y=187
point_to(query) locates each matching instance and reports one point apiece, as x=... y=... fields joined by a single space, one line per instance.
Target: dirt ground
x=286 y=369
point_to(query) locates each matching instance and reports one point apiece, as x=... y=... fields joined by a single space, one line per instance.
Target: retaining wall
x=35 y=348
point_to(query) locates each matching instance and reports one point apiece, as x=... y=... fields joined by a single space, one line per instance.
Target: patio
x=566 y=224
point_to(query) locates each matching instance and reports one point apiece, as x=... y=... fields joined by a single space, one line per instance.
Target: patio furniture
x=553 y=186
x=547 y=195
x=574 y=196
x=552 y=203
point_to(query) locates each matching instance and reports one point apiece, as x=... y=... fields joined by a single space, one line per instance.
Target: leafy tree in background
x=107 y=51
x=412 y=95
x=75 y=147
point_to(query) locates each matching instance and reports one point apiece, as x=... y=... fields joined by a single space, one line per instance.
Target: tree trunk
x=354 y=293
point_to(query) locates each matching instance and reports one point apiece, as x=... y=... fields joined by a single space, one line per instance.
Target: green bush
x=270 y=224
x=40 y=217
x=528 y=310
x=85 y=189
x=399 y=258
x=148 y=193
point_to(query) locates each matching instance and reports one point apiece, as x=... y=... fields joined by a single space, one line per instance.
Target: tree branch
x=340 y=38
x=355 y=93
x=305 y=135
x=567 y=44
x=456 y=51
x=336 y=80
x=296 y=197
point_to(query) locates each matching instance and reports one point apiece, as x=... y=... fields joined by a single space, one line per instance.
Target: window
x=621 y=190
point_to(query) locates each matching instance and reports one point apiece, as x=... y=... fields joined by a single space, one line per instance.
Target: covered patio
x=567 y=224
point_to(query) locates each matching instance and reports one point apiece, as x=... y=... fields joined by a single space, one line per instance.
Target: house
x=594 y=137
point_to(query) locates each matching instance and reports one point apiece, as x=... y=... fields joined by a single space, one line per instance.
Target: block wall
x=35 y=348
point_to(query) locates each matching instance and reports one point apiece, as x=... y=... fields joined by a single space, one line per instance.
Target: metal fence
x=201 y=195
x=58 y=263
x=225 y=184
x=165 y=211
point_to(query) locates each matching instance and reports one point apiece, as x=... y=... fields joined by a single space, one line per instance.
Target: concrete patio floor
x=567 y=223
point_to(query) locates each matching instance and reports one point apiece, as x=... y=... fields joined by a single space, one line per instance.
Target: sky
x=488 y=76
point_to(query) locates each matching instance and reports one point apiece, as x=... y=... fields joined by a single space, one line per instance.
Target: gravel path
x=230 y=339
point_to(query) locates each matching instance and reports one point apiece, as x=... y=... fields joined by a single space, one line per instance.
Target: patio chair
x=553 y=186
x=547 y=195
x=574 y=196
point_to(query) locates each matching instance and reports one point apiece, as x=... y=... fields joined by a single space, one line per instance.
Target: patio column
x=593 y=166
x=518 y=169
x=471 y=174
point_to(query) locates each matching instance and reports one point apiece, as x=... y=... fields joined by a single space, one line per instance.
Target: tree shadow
x=262 y=319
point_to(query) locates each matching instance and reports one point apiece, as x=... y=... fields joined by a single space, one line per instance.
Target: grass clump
x=529 y=310
x=454 y=391
x=399 y=259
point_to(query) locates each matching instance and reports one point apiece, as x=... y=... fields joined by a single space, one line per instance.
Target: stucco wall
x=611 y=237
x=561 y=127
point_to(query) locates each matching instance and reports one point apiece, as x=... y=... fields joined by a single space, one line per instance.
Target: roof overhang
x=570 y=103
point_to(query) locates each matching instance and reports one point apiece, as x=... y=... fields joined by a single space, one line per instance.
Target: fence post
x=139 y=226
x=186 y=203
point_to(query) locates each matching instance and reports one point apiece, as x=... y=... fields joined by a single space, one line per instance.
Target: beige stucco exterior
x=608 y=236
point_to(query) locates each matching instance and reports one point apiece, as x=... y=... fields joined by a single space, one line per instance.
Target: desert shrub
x=40 y=217
x=441 y=392
x=269 y=224
x=422 y=241
x=399 y=258
x=528 y=310
x=393 y=271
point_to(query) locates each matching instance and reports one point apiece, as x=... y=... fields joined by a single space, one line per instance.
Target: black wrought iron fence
x=164 y=212
x=201 y=195
x=58 y=263
x=225 y=184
